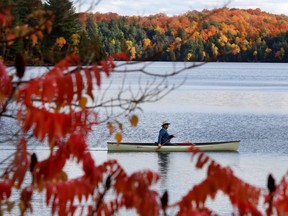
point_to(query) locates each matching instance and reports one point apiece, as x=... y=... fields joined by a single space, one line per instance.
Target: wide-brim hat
x=165 y=123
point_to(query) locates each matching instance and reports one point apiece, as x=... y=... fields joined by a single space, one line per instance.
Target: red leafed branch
x=280 y=197
x=5 y=84
x=131 y=191
x=26 y=199
x=62 y=82
x=243 y=196
x=57 y=125
x=18 y=167
x=51 y=169
x=63 y=195
x=135 y=192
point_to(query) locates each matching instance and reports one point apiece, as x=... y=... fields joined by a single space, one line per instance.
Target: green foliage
x=90 y=48
x=65 y=24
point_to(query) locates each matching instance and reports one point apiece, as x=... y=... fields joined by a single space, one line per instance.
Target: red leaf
x=68 y=82
x=121 y=56
x=19 y=165
x=112 y=63
x=49 y=90
x=61 y=90
x=49 y=190
x=5 y=191
x=67 y=62
x=105 y=67
x=89 y=83
x=97 y=75
x=26 y=197
x=202 y=160
x=5 y=83
x=79 y=84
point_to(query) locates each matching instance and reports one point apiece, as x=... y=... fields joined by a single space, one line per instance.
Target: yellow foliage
x=244 y=45
x=178 y=39
x=235 y=49
x=60 y=42
x=223 y=40
x=75 y=38
x=189 y=55
x=159 y=29
x=113 y=41
x=204 y=54
x=133 y=53
x=129 y=44
x=146 y=43
x=214 y=49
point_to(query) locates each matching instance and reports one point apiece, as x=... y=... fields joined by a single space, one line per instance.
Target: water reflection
x=163 y=168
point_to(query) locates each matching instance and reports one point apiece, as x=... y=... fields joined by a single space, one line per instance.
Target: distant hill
x=210 y=35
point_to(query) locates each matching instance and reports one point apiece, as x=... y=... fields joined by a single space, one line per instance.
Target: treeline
x=217 y=35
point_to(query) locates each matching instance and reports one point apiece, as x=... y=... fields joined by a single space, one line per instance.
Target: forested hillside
x=218 y=35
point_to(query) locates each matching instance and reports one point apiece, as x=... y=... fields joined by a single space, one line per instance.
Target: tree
x=66 y=24
x=21 y=10
x=91 y=50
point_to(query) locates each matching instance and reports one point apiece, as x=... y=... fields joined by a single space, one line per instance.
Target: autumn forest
x=218 y=35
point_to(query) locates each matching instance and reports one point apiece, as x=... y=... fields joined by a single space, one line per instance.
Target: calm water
x=218 y=101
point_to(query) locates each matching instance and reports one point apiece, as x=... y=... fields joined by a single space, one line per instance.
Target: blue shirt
x=163 y=136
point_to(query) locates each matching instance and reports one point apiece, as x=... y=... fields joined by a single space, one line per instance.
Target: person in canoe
x=164 y=137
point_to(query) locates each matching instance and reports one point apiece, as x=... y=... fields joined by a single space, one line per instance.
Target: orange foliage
x=35 y=33
x=223 y=25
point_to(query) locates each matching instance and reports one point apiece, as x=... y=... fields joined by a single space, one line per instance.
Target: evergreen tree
x=90 y=46
x=65 y=24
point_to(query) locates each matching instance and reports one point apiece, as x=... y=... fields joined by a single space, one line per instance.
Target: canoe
x=177 y=147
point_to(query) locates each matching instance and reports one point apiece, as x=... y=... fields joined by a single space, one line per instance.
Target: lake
x=217 y=102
